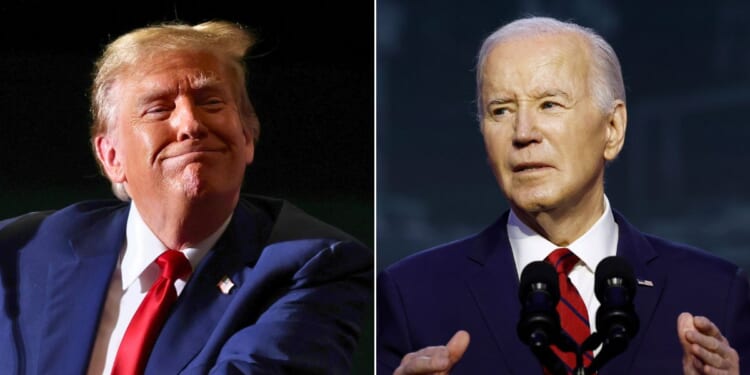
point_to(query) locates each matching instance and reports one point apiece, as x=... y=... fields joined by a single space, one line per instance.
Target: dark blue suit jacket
x=472 y=284
x=301 y=291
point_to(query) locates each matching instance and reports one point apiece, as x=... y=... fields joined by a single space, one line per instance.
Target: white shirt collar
x=599 y=242
x=143 y=247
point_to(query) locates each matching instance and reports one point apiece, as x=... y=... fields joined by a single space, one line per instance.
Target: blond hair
x=227 y=41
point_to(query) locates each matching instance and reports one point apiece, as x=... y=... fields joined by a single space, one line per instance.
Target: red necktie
x=148 y=320
x=574 y=317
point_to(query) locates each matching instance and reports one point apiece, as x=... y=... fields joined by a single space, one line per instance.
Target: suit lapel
x=77 y=284
x=201 y=306
x=495 y=288
x=634 y=247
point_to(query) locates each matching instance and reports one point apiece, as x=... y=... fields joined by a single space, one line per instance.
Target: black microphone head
x=539 y=293
x=539 y=274
x=614 y=270
x=615 y=288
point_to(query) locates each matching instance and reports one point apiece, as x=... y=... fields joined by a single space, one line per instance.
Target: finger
x=712 y=371
x=708 y=342
x=709 y=358
x=429 y=351
x=696 y=363
x=691 y=365
x=426 y=361
x=684 y=324
x=457 y=346
x=714 y=341
x=706 y=326
x=408 y=357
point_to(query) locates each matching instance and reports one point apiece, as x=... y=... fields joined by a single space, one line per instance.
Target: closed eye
x=158 y=109
x=158 y=112
x=212 y=104
x=212 y=101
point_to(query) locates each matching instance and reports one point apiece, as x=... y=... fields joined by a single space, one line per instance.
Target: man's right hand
x=435 y=360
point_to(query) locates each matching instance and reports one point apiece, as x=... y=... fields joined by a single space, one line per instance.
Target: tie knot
x=563 y=260
x=174 y=265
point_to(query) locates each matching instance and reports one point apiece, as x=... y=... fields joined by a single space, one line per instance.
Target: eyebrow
x=501 y=100
x=540 y=94
x=201 y=83
x=551 y=92
x=204 y=81
x=156 y=95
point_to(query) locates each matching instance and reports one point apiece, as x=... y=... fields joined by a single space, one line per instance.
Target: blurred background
x=682 y=174
x=311 y=80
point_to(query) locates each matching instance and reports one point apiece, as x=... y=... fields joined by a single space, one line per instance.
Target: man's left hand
x=705 y=349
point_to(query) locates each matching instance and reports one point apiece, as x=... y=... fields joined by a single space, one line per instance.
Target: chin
x=533 y=202
x=197 y=182
x=193 y=184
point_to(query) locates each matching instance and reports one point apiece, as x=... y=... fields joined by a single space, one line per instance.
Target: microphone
x=539 y=293
x=539 y=325
x=616 y=319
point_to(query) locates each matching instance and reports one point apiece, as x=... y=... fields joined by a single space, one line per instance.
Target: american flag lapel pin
x=225 y=284
x=648 y=283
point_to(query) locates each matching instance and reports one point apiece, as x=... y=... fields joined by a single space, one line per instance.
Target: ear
x=249 y=146
x=108 y=156
x=616 y=126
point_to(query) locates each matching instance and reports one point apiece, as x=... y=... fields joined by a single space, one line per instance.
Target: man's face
x=177 y=130
x=546 y=139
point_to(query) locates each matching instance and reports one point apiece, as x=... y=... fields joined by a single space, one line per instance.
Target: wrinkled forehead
x=525 y=62
x=568 y=44
x=174 y=71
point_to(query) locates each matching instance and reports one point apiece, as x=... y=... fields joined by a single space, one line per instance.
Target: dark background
x=311 y=80
x=683 y=171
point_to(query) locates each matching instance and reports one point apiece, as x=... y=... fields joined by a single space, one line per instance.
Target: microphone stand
x=552 y=362
x=549 y=360
x=591 y=343
x=611 y=347
x=566 y=344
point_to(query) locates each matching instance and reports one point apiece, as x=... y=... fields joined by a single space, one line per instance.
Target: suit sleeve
x=392 y=339
x=738 y=318
x=313 y=323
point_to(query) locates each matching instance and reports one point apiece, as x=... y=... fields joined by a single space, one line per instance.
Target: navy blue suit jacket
x=301 y=291
x=472 y=284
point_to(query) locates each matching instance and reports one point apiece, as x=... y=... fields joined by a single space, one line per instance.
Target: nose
x=525 y=130
x=186 y=120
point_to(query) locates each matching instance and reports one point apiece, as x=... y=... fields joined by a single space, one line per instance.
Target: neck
x=181 y=223
x=563 y=226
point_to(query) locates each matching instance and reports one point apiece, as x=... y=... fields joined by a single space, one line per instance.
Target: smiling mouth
x=191 y=155
x=194 y=150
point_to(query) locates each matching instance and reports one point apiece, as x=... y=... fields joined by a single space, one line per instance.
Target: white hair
x=606 y=81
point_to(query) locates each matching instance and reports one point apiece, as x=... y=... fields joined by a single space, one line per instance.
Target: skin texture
x=548 y=144
x=178 y=144
x=706 y=350
x=435 y=360
x=546 y=138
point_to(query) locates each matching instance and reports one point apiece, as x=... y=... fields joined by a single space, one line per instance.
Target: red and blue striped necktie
x=574 y=317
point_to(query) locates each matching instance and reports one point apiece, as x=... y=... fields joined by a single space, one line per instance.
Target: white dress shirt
x=136 y=271
x=599 y=242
